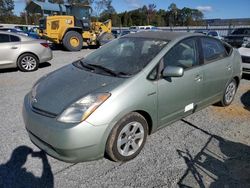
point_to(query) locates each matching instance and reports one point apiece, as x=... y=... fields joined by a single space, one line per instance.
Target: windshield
x=80 y=12
x=126 y=55
x=213 y=33
x=42 y=23
x=132 y=27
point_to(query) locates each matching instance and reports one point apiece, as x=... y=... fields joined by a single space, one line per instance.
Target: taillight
x=46 y=45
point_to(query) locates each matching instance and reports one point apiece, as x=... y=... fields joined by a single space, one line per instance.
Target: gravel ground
x=208 y=148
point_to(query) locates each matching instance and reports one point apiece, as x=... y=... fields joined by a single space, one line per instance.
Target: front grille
x=42 y=112
x=246 y=70
x=245 y=59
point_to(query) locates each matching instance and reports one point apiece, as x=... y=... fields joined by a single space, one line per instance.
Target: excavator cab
x=81 y=16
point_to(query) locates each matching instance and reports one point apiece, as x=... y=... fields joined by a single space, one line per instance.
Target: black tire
x=67 y=38
x=133 y=121
x=229 y=93
x=27 y=62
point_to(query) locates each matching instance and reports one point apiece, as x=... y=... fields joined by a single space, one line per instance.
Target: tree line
x=149 y=15
x=103 y=10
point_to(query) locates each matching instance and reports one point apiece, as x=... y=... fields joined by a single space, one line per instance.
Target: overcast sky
x=210 y=8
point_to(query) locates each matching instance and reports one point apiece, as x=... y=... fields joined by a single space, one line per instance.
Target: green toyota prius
x=110 y=101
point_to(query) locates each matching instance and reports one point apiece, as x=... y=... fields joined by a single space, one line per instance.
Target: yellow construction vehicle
x=75 y=29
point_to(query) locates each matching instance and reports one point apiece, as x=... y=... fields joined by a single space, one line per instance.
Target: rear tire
x=27 y=62
x=72 y=41
x=229 y=93
x=127 y=138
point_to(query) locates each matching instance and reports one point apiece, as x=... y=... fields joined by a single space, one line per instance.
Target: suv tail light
x=46 y=45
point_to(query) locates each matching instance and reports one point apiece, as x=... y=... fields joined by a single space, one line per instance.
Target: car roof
x=23 y=38
x=6 y=28
x=162 y=35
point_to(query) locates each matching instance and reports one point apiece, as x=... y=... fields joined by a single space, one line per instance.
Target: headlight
x=83 y=108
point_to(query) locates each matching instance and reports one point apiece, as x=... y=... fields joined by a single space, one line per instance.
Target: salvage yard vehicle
x=13 y=30
x=108 y=102
x=23 y=52
x=74 y=30
x=236 y=38
x=245 y=55
x=215 y=34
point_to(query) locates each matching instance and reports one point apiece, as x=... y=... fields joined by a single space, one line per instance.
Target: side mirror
x=172 y=71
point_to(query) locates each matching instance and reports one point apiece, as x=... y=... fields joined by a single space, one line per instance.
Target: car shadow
x=55 y=47
x=220 y=163
x=245 y=99
x=9 y=70
x=14 y=174
x=44 y=65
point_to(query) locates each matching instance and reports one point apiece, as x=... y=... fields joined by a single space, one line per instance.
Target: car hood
x=244 y=51
x=58 y=90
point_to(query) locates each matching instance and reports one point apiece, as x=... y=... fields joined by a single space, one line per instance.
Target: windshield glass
x=42 y=23
x=213 y=33
x=126 y=55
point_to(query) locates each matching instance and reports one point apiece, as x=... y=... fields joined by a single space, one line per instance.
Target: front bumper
x=66 y=142
x=245 y=68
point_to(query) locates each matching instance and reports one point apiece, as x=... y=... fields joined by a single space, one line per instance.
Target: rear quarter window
x=212 y=49
x=14 y=38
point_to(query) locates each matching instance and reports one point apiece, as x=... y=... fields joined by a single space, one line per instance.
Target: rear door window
x=212 y=49
x=4 y=38
x=14 y=38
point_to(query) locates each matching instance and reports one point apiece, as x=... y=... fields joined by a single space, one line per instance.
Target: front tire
x=27 y=62
x=72 y=41
x=229 y=93
x=127 y=138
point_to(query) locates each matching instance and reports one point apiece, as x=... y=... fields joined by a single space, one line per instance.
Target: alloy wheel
x=28 y=63
x=230 y=92
x=130 y=138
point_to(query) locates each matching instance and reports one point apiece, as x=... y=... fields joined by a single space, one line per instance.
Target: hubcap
x=74 y=41
x=130 y=138
x=230 y=92
x=28 y=63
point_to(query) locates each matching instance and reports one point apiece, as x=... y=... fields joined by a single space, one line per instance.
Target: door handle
x=198 y=78
x=14 y=47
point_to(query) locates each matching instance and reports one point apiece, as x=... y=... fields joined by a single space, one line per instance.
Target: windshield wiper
x=93 y=67
x=85 y=65
x=124 y=74
x=111 y=72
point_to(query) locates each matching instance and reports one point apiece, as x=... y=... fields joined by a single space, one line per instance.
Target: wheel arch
x=237 y=79
x=148 y=119
x=77 y=29
x=27 y=53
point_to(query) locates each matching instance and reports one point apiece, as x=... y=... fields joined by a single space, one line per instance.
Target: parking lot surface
x=208 y=148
